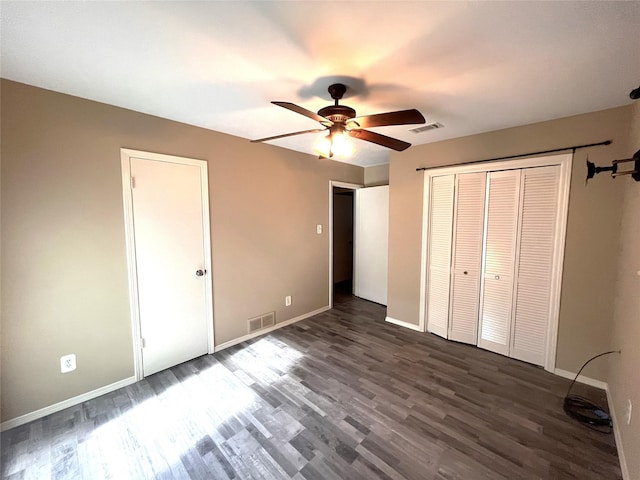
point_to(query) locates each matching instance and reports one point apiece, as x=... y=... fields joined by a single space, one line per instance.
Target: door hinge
x=133 y=182
x=143 y=344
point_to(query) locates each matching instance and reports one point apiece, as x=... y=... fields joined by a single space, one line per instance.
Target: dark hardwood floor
x=342 y=395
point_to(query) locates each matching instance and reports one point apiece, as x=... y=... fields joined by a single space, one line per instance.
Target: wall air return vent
x=427 y=127
x=269 y=320
x=263 y=321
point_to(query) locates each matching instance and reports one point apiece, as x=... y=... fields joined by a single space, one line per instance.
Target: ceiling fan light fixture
x=341 y=147
x=335 y=144
x=323 y=147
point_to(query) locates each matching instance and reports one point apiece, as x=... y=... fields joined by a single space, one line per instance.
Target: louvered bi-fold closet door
x=439 y=261
x=468 y=228
x=538 y=213
x=499 y=260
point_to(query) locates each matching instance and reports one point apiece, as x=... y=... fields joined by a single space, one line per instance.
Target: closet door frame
x=565 y=162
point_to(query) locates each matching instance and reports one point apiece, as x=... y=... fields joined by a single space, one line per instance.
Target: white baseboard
x=264 y=331
x=582 y=379
x=70 y=402
x=402 y=323
x=616 y=433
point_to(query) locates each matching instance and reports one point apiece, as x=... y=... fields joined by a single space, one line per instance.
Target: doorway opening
x=341 y=239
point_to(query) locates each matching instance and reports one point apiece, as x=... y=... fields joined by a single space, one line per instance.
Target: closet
x=493 y=240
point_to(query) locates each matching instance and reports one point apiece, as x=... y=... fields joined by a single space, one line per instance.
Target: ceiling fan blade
x=303 y=111
x=315 y=130
x=383 y=140
x=401 y=117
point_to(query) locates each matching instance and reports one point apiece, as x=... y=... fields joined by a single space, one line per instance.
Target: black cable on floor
x=585 y=411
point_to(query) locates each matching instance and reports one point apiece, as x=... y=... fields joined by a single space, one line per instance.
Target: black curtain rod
x=574 y=148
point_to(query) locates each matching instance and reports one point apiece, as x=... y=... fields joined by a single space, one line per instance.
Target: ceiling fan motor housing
x=337 y=113
x=337 y=90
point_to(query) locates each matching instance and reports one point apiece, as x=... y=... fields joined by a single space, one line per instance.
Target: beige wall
x=64 y=272
x=592 y=232
x=376 y=175
x=624 y=369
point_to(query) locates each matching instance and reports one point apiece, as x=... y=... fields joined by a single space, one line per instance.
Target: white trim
x=565 y=161
x=555 y=287
x=126 y=155
x=351 y=186
x=618 y=436
x=29 y=417
x=206 y=252
x=134 y=307
x=377 y=165
x=402 y=323
x=452 y=252
x=513 y=164
x=259 y=333
x=483 y=259
x=582 y=379
x=422 y=311
x=70 y=402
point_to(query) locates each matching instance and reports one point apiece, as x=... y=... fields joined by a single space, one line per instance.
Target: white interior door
x=532 y=305
x=468 y=227
x=501 y=234
x=170 y=242
x=371 y=243
x=439 y=257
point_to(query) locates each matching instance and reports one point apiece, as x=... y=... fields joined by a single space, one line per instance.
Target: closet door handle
x=497 y=277
x=465 y=272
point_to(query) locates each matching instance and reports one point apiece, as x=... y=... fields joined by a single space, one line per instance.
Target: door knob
x=200 y=273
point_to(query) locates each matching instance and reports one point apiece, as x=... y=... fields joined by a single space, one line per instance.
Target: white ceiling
x=472 y=66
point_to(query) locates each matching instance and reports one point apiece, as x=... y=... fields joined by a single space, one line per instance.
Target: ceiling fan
x=341 y=121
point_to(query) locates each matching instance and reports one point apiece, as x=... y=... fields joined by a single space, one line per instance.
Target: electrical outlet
x=68 y=363
x=287 y=300
x=629 y=408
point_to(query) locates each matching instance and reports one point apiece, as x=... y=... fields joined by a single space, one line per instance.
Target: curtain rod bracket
x=592 y=170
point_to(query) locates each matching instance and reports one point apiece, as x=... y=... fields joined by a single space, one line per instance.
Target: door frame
x=350 y=186
x=565 y=161
x=125 y=156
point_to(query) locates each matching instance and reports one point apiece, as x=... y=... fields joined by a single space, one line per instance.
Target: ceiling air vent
x=424 y=128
